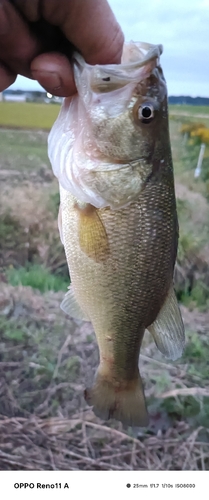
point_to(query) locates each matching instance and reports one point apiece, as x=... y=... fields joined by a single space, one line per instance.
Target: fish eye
x=146 y=112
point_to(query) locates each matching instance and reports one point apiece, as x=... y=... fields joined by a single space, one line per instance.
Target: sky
x=182 y=26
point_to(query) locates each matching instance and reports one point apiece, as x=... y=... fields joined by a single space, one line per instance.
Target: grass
x=28 y=115
x=191 y=110
x=46 y=366
x=40 y=341
x=47 y=359
x=196 y=354
x=23 y=151
x=28 y=225
x=8 y=226
x=42 y=116
x=192 y=271
x=36 y=276
x=198 y=296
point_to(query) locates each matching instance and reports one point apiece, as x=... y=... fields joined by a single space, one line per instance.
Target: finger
x=6 y=77
x=100 y=38
x=54 y=72
x=90 y=25
x=18 y=46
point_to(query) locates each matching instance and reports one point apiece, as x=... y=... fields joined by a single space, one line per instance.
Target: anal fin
x=168 y=328
x=70 y=306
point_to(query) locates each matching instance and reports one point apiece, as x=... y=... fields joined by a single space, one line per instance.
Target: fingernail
x=4 y=22
x=48 y=79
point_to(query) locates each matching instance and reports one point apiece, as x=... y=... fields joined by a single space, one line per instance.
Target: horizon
x=42 y=90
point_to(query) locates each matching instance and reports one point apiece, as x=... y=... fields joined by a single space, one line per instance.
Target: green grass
x=198 y=296
x=50 y=357
x=28 y=115
x=42 y=116
x=182 y=407
x=33 y=345
x=195 y=361
x=9 y=226
x=186 y=108
x=192 y=277
x=23 y=150
x=54 y=203
x=37 y=277
x=47 y=355
x=196 y=356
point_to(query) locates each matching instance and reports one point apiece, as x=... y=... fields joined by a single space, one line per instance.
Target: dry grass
x=46 y=358
x=34 y=235
x=81 y=443
x=44 y=421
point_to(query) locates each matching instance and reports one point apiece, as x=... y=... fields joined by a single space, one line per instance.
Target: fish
x=110 y=151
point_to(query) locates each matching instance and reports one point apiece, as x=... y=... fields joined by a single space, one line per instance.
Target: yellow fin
x=126 y=404
x=70 y=306
x=168 y=328
x=92 y=234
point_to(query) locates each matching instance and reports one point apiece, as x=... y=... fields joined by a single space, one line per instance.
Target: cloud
x=182 y=28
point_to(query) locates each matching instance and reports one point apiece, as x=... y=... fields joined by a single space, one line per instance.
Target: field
x=47 y=359
x=27 y=115
x=41 y=116
x=185 y=109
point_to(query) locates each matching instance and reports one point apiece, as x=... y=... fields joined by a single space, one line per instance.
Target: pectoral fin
x=70 y=306
x=168 y=328
x=92 y=234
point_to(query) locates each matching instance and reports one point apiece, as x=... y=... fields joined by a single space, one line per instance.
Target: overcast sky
x=182 y=26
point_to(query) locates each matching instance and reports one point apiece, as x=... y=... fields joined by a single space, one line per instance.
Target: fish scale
x=135 y=275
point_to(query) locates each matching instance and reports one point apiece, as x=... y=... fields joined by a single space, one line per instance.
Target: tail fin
x=124 y=402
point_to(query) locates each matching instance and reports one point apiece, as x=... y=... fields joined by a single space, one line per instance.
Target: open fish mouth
x=138 y=53
x=138 y=60
x=135 y=55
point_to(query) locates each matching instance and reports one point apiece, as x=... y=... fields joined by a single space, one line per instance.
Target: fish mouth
x=135 y=55
x=96 y=133
x=138 y=61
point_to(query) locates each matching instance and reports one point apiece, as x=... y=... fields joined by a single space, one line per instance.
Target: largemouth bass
x=110 y=150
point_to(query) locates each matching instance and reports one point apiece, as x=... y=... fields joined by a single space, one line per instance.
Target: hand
x=37 y=38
